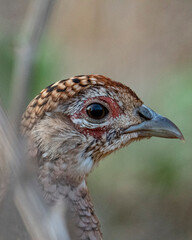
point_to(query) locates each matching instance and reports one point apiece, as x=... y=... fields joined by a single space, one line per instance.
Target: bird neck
x=87 y=223
x=82 y=221
x=64 y=165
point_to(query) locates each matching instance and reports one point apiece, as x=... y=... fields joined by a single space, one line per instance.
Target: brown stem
x=37 y=17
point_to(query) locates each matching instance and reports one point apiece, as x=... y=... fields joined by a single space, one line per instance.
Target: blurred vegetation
x=6 y=65
x=144 y=190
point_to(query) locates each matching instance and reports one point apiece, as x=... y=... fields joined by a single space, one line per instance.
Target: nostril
x=144 y=113
x=143 y=117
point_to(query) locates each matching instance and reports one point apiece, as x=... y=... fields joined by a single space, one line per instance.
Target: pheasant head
x=74 y=123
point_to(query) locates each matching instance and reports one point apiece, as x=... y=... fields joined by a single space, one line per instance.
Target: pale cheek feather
x=85 y=165
x=117 y=143
x=82 y=185
x=44 y=155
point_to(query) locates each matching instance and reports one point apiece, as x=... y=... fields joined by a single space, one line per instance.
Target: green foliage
x=6 y=65
x=46 y=68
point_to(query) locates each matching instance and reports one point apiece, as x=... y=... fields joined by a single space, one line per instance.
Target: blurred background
x=144 y=191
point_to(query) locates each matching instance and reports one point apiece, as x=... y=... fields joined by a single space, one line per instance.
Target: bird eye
x=97 y=111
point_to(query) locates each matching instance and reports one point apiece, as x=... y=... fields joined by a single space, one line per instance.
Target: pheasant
x=74 y=123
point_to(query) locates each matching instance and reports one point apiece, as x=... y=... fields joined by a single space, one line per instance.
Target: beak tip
x=178 y=134
x=181 y=137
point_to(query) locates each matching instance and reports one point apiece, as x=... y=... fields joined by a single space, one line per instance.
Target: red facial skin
x=114 y=111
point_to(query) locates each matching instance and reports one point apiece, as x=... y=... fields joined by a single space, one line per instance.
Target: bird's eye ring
x=96 y=111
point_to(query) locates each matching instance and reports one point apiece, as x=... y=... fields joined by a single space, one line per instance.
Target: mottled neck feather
x=84 y=224
x=87 y=223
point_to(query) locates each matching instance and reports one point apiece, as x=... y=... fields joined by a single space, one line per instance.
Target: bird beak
x=154 y=125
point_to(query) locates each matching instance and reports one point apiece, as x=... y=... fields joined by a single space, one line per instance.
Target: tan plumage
x=74 y=123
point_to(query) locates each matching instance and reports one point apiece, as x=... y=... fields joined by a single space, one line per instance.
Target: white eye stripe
x=82 y=122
